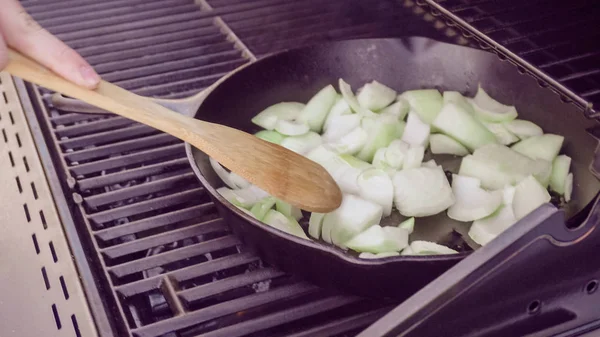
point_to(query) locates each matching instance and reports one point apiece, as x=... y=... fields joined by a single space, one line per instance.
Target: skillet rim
x=323 y=247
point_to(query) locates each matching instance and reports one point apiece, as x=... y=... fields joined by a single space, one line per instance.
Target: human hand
x=20 y=31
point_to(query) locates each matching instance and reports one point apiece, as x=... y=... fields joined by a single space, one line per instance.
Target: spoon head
x=278 y=171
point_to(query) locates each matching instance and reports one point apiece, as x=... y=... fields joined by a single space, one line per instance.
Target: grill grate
x=169 y=264
x=558 y=37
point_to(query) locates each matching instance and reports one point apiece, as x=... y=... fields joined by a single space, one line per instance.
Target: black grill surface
x=167 y=264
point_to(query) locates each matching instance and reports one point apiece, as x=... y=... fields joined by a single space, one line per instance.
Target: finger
x=3 y=53
x=24 y=34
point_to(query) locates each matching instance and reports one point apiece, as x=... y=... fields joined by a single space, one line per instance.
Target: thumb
x=24 y=34
x=3 y=53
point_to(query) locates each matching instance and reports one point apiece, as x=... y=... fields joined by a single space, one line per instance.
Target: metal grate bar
x=201 y=269
x=140 y=190
x=106 y=137
x=137 y=173
x=70 y=118
x=147 y=206
x=222 y=309
x=161 y=239
x=94 y=126
x=126 y=160
x=227 y=284
x=158 y=221
x=120 y=147
x=345 y=324
x=283 y=317
x=173 y=255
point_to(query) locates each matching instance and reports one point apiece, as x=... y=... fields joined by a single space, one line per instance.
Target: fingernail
x=89 y=76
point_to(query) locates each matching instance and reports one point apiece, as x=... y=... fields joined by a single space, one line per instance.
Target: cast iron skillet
x=402 y=64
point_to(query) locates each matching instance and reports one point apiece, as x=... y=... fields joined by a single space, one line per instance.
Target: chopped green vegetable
x=442 y=144
x=544 y=147
x=462 y=126
x=426 y=102
x=316 y=110
x=375 y=96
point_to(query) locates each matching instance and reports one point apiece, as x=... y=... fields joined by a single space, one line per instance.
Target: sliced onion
x=375 y=96
x=270 y=136
x=238 y=181
x=375 y=185
x=377 y=256
x=427 y=103
x=545 y=147
x=316 y=110
x=442 y=144
x=503 y=136
x=340 y=126
x=315 y=223
x=302 y=144
x=268 y=118
x=416 y=132
x=408 y=225
x=222 y=173
x=340 y=108
x=462 y=126
x=399 y=110
x=291 y=128
x=422 y=191
x=350 y=143
x=414 y=157
x=289 y=225
x=568 y=187
x=420 y=247
x=523 y=129
x=349 y=97
x=374 y=240
x=472 y=202
x=261 y=208
x=560 y=170
x=490 y=110
x=381 y=134
x=485 y=230
x=529 y=195
x=458 y=99
x=430 y=163
x=353 y=216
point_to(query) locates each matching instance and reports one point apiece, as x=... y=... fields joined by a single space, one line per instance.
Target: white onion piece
x=350 y=143
x=238 y=181
x=375 y=96
x=222 y=173
x=560 y=171
x=349 y=97
x=289 y=225
x=442 y=144
x=416 y=132
x=414 y=157
x=340 y=108
x=568 y=187
x=529 y=195
x=430 y=163
x=485 y=230
x=271 y=136
x=427 y=103
x=408 y=225
x=545 y=147
x=457 y=98
x=420 y=247
x=422 y=191
x=503 y=136
x=262 y=207
x=287 y=209
x=268 y=118
x=352 y=217
x=375 y=185
x=340 y=126
x=291 y=128
x=245 y=197
x=377 y=256
x=399 y=110
x=316 y=110
x=303 y=143
x=315 y=223
x=488 y=109
x=472 y=202
x=462 y=126
x=375 y=240
x=523 y=129
x=381 y=134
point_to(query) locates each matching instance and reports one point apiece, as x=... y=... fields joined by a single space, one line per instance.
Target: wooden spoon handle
x=279 y=171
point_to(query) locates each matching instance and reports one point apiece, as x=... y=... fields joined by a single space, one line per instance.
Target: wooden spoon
x=277 y=170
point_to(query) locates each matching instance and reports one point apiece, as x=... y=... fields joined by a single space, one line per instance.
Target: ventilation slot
x=63 y=285
x=53 y=252
x=12 y=161
x=43 y=219
x=19 y=184
x=4 y=135
x=26 y=164
x=12 y=119
x=56 y=317
x=18 y=139
x=26 y=209
x=35 y=244
x=75 y=326
x=35 y=195
x=45 y=276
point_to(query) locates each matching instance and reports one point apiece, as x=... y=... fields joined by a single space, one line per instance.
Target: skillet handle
x=185 y=106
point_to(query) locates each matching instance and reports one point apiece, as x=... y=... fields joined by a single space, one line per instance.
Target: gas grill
x=150 y=254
